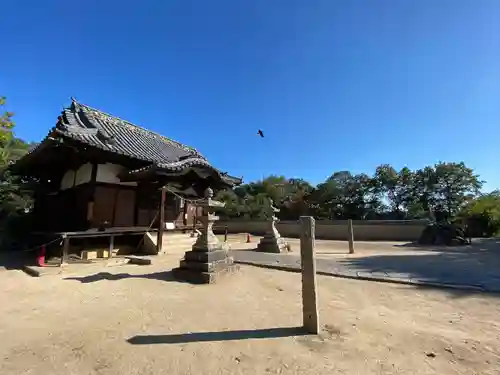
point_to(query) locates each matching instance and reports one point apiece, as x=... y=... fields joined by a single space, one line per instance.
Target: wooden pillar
x=161 y=229
x=308 y=262
x=111 y=246
x=65 y=250
x=185 y=213
x=195 y=218
x=91 y=196
x=350 y=236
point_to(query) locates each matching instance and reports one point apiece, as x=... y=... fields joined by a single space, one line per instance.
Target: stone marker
x=350 y=236
x=208 y=259
x=272 y=242
x=308 y=261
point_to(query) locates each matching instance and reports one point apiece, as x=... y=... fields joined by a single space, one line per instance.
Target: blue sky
x=335 y=85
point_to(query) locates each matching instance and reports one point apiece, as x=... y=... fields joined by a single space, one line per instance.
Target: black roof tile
x=104 y=131
x=110 y=133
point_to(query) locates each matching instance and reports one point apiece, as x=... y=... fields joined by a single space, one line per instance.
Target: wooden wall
x=81 y=200
x=113 y=204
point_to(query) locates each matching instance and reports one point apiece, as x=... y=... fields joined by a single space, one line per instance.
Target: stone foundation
x=271 y=244
x=202 y=267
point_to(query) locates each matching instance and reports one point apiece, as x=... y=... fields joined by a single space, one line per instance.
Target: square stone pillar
x=208 y=259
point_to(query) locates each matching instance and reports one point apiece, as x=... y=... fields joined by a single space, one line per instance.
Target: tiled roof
x=186 y=163
x=101 y=130
x=98 y=129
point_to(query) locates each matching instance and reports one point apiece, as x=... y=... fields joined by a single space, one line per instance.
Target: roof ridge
x=74 y=101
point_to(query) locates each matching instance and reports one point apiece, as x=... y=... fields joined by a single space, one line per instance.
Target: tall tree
x=345 y=196
x=6 y=122
x=454 y=182
x=403 y=194
x=15 y=193
x=6 y=135
x=395 y=187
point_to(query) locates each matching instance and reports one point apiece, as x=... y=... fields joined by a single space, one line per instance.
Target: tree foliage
x=15 y=193
x=440 y=191
x=6 y=123
x=483 y=214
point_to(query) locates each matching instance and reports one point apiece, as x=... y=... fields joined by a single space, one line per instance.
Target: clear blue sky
x=335 y=85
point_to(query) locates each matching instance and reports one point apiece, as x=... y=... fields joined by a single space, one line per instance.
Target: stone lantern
x=208 y=259
x=272 y=242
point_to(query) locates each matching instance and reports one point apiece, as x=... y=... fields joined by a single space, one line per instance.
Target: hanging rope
x=38 y=246
x=149 y=228
x=185 y=199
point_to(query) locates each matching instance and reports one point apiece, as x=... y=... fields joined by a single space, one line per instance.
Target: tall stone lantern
x=272 y=242
x=207 y=260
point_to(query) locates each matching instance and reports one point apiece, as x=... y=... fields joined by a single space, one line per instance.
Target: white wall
x=105 y=173
x=109 y=173
x=83 y=174
x=68 y=180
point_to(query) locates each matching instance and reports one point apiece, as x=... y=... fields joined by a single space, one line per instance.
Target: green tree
x=296 y=199
x=388 y=193
x=483 y=214
x=396 y=188
x=6 y=124
x=345 y=196
x=15 y=192
x=454 y=182
x=423 y=198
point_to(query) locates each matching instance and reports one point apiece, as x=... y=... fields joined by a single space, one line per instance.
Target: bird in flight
x=260 y=133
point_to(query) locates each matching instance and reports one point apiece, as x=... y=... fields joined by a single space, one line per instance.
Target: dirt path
x=136 y=320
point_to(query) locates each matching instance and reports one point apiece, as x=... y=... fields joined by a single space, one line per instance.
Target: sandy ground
x=136 y=320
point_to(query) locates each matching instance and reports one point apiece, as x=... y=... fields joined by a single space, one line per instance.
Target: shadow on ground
x=161 y=276
x=16 y=260
x=184 y=338
x=477 y=265
x=478 y=244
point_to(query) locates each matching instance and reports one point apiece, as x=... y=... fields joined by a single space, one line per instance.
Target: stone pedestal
x=272 y=241
x=207 y=260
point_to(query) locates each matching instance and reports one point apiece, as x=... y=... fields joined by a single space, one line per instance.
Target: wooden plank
x=308 y=263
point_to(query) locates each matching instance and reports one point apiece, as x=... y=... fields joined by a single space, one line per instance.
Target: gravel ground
x=137 y=320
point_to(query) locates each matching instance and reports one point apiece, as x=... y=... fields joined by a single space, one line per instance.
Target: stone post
x=208 y=259
x=272 y=242
x=308 y=263
x=350 y=236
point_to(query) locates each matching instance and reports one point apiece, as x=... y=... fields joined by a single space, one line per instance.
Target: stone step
x=179 y=240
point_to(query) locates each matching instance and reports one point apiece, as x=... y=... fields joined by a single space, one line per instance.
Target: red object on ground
x=41 y=256
x=248 y=238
